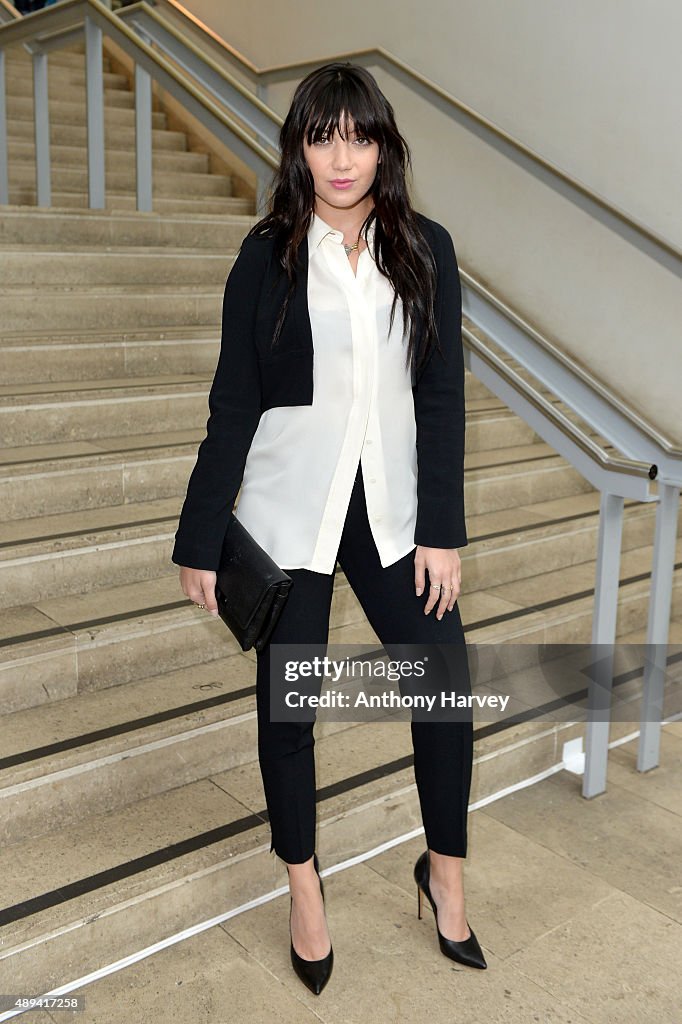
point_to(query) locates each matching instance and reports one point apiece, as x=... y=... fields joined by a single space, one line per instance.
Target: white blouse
x=303 y=459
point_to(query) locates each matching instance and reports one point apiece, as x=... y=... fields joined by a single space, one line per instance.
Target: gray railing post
x=660 y=600
x=4 y=168
x=41 y=122
x=603 y=638
x=143 y=138
x=95 y=114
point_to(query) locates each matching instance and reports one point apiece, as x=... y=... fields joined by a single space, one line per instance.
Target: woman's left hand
x=445 y=571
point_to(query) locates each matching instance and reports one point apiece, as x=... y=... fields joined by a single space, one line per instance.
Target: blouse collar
x=319 y=230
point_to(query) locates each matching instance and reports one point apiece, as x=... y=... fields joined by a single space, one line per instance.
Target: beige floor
x=577 y=904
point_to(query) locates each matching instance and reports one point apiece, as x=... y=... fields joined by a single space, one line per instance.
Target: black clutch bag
x=251 y=589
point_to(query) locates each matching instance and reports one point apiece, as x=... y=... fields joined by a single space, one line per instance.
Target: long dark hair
x=401 y=252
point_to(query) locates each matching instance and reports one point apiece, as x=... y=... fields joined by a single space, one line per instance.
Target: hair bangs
x=338 y=104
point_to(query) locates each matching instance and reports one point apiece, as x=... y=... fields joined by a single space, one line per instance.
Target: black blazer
x=250 y=378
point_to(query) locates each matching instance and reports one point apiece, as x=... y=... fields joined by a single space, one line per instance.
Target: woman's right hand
x=199 y=586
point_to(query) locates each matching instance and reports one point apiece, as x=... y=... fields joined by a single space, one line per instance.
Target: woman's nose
x=342 y=159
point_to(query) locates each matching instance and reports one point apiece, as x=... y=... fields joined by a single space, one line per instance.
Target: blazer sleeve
x=440 y=416
x=234 y=411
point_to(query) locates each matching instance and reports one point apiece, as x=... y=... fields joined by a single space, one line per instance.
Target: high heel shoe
x=467 y=951
x=313 y=973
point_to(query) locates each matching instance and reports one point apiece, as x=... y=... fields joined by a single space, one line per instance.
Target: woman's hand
x=445 y=571
x=199 y=586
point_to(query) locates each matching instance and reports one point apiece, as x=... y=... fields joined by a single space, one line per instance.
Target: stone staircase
x=131 y=804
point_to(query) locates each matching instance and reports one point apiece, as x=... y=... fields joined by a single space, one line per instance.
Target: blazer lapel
x=303 y=327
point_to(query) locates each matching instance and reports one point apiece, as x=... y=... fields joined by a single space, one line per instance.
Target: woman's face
x=343 y=171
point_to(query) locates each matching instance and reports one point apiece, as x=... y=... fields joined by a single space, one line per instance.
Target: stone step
x=17 y=58
x=153 y=868
x=109 y=609
x=74 y=476
x=494 y=426
x=92 y=355
x=18 y=95
x=116 y=407
x=21 y=131
x=73 y=112
x=55 y=555
x=120 y=633
x=55 y=411
x=108 y=750
x=24 y=197
x=69 y=476
x=20 y=225
x=124 y=308
x=165 y=183
x=68 y=157
x=84 y=267
x=60 y=78
x=63 y=553
x=62 y=412
x=29 y=357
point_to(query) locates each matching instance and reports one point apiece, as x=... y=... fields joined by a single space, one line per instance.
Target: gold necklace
x=349 y=248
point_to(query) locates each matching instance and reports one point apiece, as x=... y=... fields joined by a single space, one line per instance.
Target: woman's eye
x=325 y=138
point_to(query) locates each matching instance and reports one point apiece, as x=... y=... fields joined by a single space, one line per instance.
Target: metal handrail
x=8 y=12
x=662 y=249
x=601 y=467
x=60 y=25
x=220 y=84
x=555 y=368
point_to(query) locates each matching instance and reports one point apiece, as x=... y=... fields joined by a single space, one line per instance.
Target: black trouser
x=443 y=750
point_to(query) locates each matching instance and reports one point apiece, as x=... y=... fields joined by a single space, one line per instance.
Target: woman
x=356 y=454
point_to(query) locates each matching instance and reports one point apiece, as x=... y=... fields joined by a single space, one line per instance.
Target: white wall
x=594 y=88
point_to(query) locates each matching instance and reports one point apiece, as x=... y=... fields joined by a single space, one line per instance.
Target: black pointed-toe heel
x=467 y=951
x=313 y=973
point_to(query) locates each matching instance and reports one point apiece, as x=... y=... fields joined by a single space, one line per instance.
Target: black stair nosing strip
x=96 y=454
x=512 y=462
x=24 y=757
x=494 y=535
x=82 y=886
x=239 y=826
x=102 y=387
x=106 y=528
x=113 y=248
x=502 y=407
x=122 y=728
x=106 y=336
x=555 y=602
x=173 y=444
x=57 y=630
x=543 y=523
